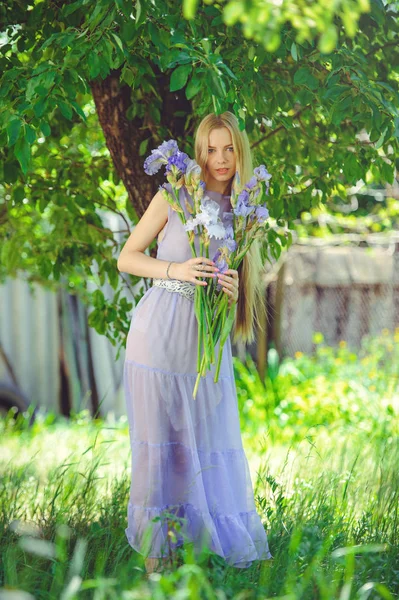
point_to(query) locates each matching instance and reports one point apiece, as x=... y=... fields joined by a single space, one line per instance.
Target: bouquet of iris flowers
x=244 y=224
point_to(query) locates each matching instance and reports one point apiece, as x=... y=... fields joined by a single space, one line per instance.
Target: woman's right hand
x=198 y=266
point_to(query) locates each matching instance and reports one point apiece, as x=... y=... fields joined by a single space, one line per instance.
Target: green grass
x=325 y=476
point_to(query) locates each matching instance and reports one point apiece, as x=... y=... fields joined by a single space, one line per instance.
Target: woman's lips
x=222 y=171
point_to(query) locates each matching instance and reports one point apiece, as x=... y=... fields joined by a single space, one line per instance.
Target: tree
x=90 y=87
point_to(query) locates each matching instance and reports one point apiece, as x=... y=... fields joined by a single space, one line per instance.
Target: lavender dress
x=188 y=465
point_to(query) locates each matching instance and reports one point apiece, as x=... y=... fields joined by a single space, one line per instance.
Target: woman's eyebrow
x=226 y=146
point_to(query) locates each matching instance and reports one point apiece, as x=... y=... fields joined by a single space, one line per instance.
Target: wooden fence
x=342 y=291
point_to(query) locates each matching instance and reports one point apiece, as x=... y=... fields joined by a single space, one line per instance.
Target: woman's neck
x=219 y=187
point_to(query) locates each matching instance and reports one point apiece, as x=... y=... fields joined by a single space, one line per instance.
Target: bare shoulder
x=150 y=224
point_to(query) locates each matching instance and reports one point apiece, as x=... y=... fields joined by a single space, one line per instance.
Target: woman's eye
x=232 y=149
x=209 y=150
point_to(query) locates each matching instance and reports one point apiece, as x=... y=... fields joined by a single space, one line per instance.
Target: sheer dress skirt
x=189 y=471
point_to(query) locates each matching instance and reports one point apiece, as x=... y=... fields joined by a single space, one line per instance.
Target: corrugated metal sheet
x=58 y=361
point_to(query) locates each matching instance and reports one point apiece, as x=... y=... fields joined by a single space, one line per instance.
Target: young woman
x=188 y=465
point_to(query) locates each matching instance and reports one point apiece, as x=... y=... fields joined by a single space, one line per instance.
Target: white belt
x=185 y=288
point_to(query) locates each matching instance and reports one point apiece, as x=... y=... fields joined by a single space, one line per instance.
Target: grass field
x=326 y=480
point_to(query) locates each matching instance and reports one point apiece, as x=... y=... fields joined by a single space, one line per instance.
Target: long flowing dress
x=189 y=470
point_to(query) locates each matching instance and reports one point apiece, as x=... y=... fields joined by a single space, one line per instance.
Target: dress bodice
x=174 y=244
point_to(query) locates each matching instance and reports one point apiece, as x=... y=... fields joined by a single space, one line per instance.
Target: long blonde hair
x=251 y=292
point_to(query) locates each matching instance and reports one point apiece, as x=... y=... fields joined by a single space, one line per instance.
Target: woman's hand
x=198 y=266
x=230 y=282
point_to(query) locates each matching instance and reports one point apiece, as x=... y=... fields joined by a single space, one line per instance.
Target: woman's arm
x=132 y=258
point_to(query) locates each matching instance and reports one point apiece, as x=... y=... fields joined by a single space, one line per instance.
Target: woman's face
x=221 y=163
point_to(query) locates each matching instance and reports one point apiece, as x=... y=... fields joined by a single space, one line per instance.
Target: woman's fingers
x=229 y=283
x=232 y=272
x=204 y=266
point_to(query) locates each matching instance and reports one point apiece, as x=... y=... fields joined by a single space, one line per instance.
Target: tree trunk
x=123 y=137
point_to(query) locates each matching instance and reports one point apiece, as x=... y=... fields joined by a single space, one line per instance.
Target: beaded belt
x=185 y=288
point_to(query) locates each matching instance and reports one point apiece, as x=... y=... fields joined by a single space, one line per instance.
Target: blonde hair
x=251 y=292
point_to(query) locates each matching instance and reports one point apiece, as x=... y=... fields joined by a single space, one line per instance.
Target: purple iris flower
x=230 y=244
x=229 y=231
x=261 y=213
x=228 y=224
x=262 y=173
x=220 y=262
x=242 y=208
x=252 y=182
x=178 y=160
x=159 y=156
x=244 y=196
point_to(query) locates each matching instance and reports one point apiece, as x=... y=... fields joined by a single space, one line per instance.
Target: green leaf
x=380 y=141
x=351 y=167
x=193 y=87
x=216 y=84
x=127 y=75
x=118 y=41
x=223 y=66
x=189 y=8
x=143 y=146
x=30 y=134
x=294 y=52
x=271 y=40
x=98 y=299
x=47 y=79
x=155 y=37
x=126 y=7
x=18 y=193
x=45 y=267
x=79 y=111
x=387 y=172
x=94 y=65
x=113 y=275
x=22 y=153
x=179 y=77
x=141 y=13
x=232 y=12
x=71 y=8
x=40 y=107
x=328 y=39
x=304 y=77
x=13 y=131
x=65 y=109
x=45 y=127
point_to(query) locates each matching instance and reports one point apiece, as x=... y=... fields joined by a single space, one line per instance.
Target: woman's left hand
x=229 y=282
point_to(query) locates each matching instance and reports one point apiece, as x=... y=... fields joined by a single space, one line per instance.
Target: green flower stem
x=214 y=329
x=209 y=324
x=197 y=383
x=197 y=300
x=198 y=377
x=216 y=332
x=226 y=327
x=223 y=317
x=207 y=351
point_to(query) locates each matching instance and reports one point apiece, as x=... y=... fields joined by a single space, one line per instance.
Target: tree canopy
x=89 y=87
